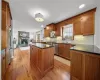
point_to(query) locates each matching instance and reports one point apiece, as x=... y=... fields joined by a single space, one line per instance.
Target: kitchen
x=72 y=40
x=79 y=52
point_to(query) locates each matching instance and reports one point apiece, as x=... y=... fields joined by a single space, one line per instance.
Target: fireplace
x=24 y=42
x=23 y=39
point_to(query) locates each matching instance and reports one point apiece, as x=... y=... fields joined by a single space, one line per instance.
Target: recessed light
x=47 y=28
x=42 y=26
x=81 y=6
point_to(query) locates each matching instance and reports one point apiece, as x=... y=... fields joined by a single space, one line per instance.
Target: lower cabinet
x=92 y=67
x=84 y=66
x=64 y=50
x=76 y=65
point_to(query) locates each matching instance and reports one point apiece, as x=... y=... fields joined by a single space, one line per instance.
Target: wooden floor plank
x=20 y=69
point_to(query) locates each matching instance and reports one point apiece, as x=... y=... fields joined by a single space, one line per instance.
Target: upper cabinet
x=77 y=25
x=48 y=29
x=84 y=23
x=58 y=30
x=88 y=21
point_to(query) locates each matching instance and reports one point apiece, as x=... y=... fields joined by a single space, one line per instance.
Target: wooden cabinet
x=76 y=65
x=42 y=59
x=5 y=37
x=6 y=23
x=51 y=27
x=84 y=23
x=60 y=49
x=48 y=29
x=58 y=30
x=92 y=67
x=64 y=50
x=77 y=26
x=46 y=32
x=8 y=17
x=34 y=54
x=84 y=66
x=88 y=22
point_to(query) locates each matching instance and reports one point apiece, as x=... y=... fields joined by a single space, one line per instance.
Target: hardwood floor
x=20 y=69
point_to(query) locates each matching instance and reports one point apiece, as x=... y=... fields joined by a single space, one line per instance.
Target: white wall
x=97 y=25
x=18 y=26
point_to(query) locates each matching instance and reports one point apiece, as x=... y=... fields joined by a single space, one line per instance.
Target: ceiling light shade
x=39 y=17
x=81 y=6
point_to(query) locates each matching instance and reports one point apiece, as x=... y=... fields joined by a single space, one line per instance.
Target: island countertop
x=42 y=45
x=92 y=49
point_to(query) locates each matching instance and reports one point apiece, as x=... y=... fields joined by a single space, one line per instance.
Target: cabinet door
x=73 y=78
x=92 y=67
x=52 y=27
x=46 y=32
x=8 y=57
x=77 y=26
x=3 y=19
x=88 y=23
x=35 y=55
x=8 y=17
x=4 y=34
x=67 y=51
x=58 y=30
x=76 y=65
x=3 y=39
x=60 y=49
x=48 y=59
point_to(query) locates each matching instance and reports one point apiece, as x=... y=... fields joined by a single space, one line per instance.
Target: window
x=68 y=32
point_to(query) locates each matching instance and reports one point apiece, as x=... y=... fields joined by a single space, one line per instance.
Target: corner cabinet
x=84 y=66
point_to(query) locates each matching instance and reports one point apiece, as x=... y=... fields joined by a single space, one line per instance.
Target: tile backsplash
x=79 y=39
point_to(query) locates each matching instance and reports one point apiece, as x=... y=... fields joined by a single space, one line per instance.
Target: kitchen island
x=41 y=58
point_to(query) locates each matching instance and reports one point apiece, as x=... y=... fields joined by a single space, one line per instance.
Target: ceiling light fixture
x=39 y=17
x=81 y=6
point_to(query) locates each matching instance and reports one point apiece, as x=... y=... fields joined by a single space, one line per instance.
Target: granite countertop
x=42 y=45
x=86 y=48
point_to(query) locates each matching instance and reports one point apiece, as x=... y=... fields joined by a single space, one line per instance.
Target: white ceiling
x=52 y=10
